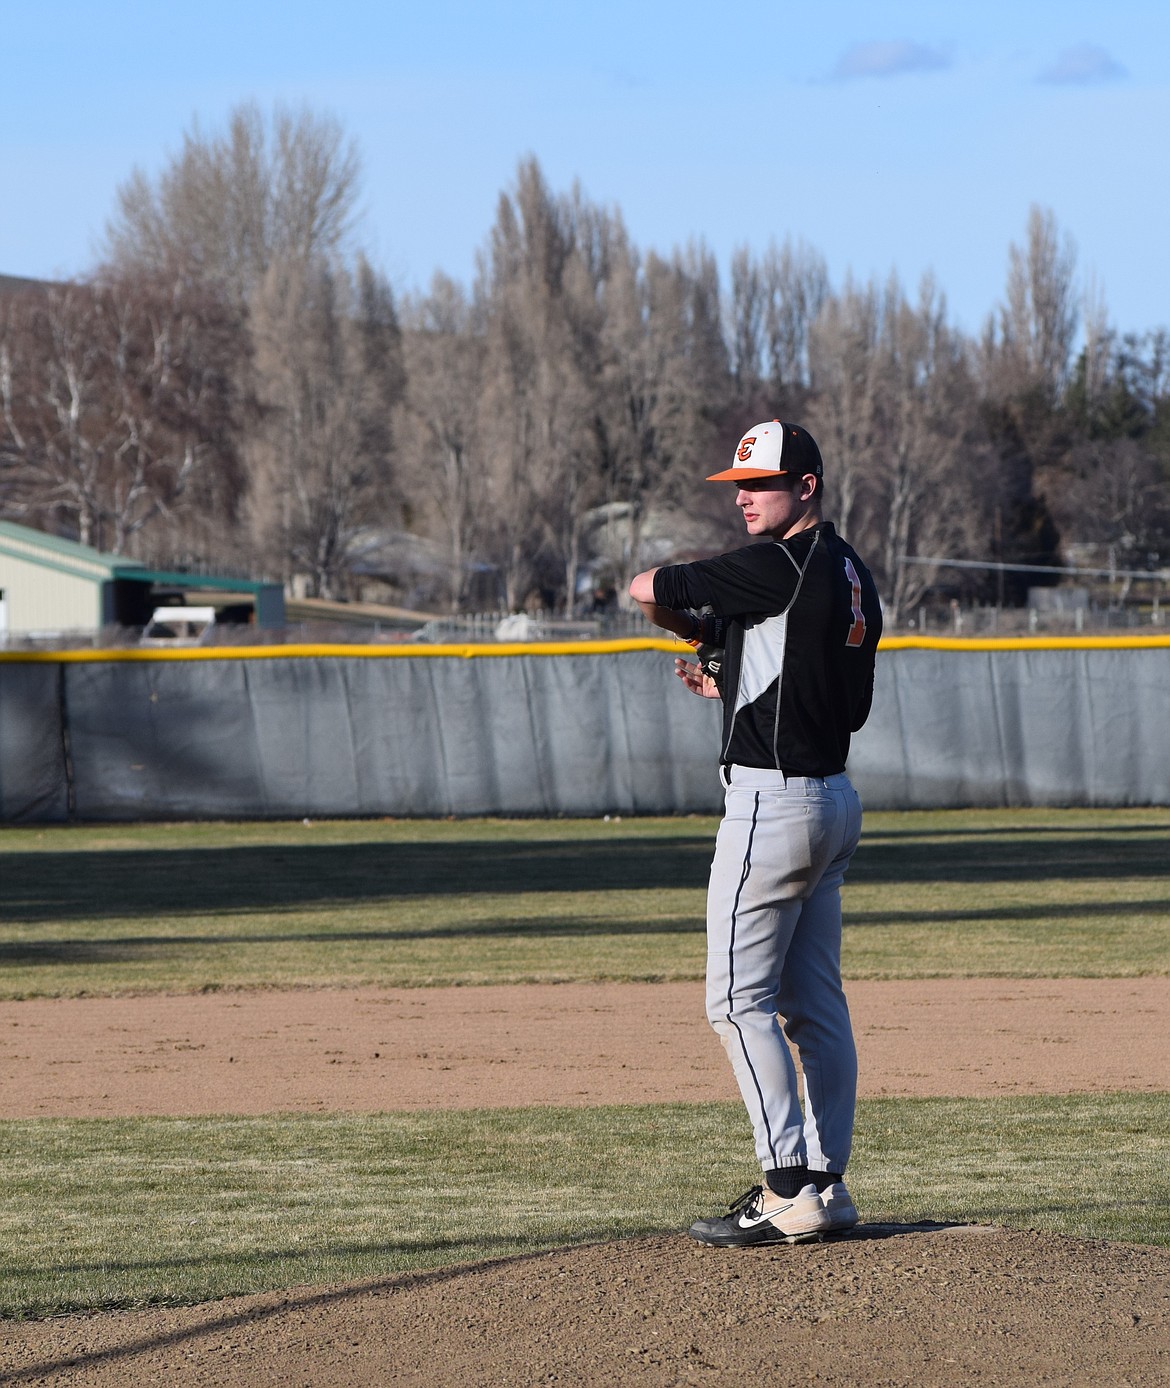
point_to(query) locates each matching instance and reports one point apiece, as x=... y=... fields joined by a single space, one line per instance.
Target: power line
x=1162 y=575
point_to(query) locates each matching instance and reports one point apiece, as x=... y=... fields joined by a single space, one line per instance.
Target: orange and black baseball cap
x=771 y=449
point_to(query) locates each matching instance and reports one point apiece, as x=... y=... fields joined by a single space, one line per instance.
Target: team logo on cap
x=745 y=448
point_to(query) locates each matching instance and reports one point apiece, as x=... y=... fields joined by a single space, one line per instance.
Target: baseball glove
x=710 y=661
x=707 y=643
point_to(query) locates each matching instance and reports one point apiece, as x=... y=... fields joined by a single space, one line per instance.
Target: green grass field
x=126 y=1212
x=110 y=1213
x=188 y=907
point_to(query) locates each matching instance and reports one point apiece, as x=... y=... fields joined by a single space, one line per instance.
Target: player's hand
x=694 y=679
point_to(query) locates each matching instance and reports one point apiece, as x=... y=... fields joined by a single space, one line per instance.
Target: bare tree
x=745 y=329
x=329 y=369
x=1098 y=342
x=1025 y=358
x=926 y=468
x=1111 y=485
x=1114 y=494
x=445 y=362
x=896 y=411
x=118 y=407
x=845 y=408
x=631 y=379
x=536 y=291
x=1037 y=324
x=262 y=212
x=230 y=205
x=796 y=288
x=666 y=384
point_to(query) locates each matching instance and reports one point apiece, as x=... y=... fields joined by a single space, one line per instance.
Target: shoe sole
x=842 y=1225
x=842 y=1215
x=761 y=1240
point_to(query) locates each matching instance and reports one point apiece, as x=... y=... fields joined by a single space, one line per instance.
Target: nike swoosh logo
x=747 y=1221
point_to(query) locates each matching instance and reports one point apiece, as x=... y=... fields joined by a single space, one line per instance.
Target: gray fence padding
x=1017 y=727
x=524 y=735
x=551 y=734
x=33 y=781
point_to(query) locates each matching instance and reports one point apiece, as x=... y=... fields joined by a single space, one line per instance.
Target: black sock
x=824 y=1179
x=788 y=1180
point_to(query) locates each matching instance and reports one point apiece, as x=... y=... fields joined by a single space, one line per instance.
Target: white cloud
x=1081 y=65
x=888 y=58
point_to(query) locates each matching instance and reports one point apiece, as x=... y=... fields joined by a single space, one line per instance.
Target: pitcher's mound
x=911 y=1306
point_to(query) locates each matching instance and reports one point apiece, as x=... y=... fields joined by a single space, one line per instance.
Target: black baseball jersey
x=802 y=626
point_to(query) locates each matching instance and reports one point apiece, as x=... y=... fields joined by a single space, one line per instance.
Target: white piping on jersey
x=764 y=647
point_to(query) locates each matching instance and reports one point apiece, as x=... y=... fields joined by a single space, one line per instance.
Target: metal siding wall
x=41 y=598
x=556 y=734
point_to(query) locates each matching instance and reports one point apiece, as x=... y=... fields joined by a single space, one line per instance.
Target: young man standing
x=787 y=640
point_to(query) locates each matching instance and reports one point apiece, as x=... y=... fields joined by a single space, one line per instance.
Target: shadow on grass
x=150 y=882
x=1146 y=1211
x=129 y=948
x=1002 y=915
x=121 y=884
x=422 y=1248
x=1016 y=857
x=125 y=949
x=1001 y=831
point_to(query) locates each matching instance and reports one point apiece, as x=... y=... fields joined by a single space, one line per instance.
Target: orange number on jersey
x=857 y=630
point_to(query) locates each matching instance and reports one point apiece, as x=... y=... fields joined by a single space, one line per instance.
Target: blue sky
x=911 y=136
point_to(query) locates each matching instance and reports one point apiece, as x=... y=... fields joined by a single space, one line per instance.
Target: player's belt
x=762 y=777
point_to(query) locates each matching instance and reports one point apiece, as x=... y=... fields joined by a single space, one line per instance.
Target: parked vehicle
x=180 y=626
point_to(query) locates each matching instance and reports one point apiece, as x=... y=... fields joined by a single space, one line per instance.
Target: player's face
x=774 y=506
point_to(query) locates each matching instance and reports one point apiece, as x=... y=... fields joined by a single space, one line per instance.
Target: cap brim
x=746 y=474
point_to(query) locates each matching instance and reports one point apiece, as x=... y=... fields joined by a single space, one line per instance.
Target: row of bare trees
x=237 y=386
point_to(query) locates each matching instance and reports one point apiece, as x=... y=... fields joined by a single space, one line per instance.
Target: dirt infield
x=370 y=1050
x=888 y=1306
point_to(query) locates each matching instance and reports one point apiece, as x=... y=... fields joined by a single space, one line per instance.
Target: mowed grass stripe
x=103 y=1213
x=108 y=909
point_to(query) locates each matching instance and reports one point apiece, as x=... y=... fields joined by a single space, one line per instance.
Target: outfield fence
x=551 y=729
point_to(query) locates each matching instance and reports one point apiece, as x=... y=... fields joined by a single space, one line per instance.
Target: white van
x=180 y=626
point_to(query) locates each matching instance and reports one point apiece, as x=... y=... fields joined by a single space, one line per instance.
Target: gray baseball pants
x=774 y=947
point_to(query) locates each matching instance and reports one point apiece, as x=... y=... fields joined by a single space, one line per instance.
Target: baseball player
x=786 y=632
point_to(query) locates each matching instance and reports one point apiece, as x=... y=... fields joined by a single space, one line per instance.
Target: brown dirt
x=890 y=1305
x=911 y=1306
x=370 y=1050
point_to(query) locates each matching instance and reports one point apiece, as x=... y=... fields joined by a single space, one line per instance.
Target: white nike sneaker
x=839 y=1207
x=762 y=1216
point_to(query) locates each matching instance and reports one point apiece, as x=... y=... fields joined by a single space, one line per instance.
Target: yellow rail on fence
x=470 y=650
x=463 y=650
x=1119 y=642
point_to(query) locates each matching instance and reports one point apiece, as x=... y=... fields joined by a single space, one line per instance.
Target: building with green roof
x=51 y=587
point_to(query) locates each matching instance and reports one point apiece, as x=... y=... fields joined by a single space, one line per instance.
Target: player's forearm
x=681 y=623
x=684 y=624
